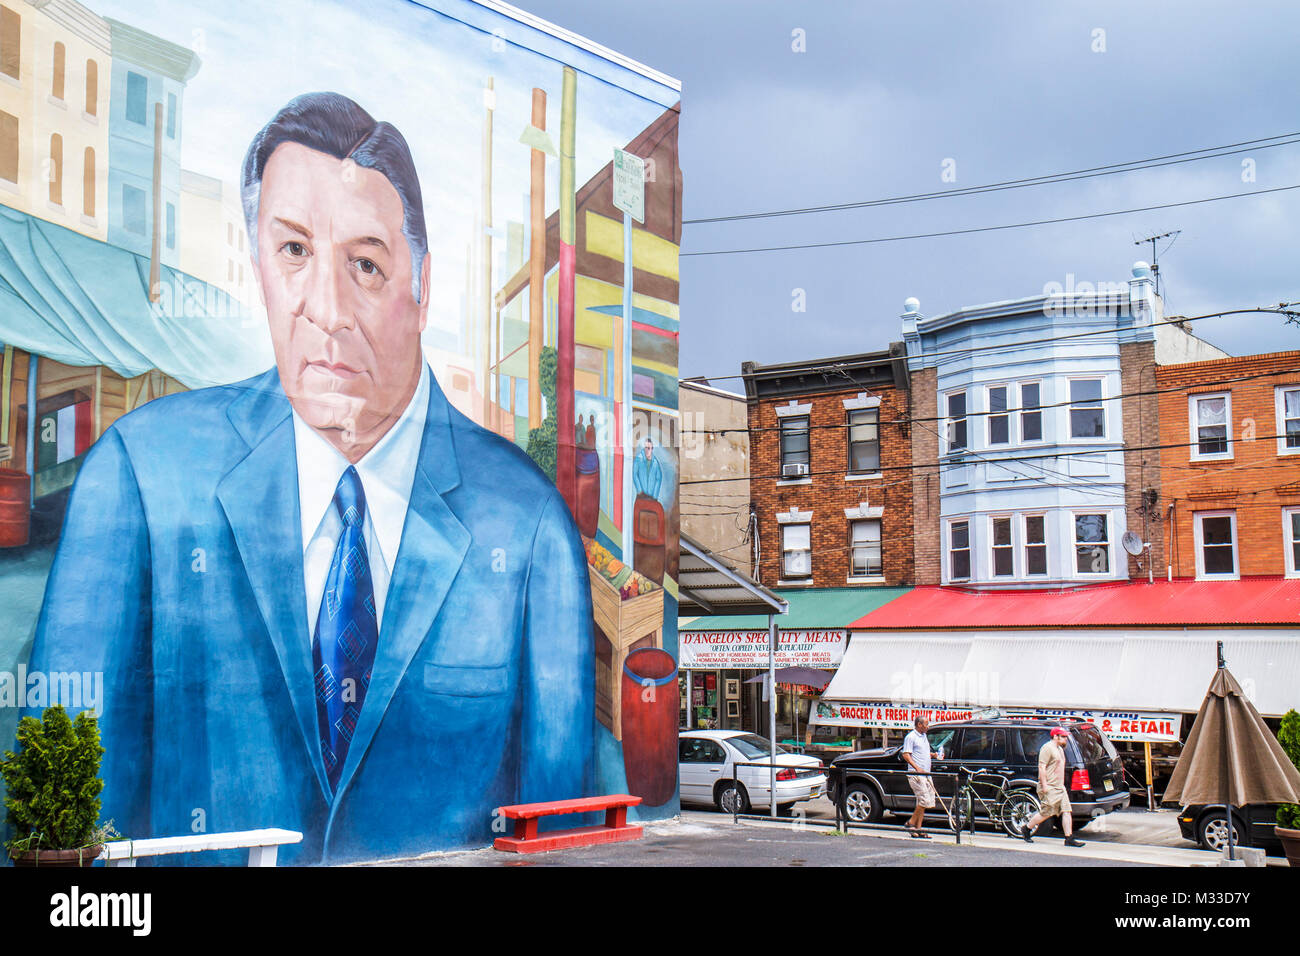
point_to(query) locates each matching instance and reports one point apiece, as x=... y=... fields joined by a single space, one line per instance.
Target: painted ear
x=425 y=268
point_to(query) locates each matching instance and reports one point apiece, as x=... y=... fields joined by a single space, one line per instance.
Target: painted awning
x=1106 y=669
x=83 y=302
x=1179 y=603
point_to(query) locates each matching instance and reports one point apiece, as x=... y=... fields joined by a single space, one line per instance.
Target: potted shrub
x=53 y=791
x=1288 y=815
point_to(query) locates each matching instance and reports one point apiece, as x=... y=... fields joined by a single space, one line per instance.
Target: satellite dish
x=1132 y=543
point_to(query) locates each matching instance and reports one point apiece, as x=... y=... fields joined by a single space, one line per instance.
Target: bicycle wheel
x=961 y=810
x=1015 y=809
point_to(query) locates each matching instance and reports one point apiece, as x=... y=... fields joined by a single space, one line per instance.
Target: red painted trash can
x=650 y=725
x=15 y=508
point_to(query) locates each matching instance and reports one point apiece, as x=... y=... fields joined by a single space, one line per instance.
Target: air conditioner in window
x=797 y=469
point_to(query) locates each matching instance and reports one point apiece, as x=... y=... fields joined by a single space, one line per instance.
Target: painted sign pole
x=771 y=713
x=565 y=452
x=629 y=196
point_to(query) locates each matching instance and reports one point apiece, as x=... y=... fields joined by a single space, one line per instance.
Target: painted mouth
x=335 y=369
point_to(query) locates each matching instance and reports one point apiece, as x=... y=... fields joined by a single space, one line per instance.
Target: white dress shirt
x=387 y=472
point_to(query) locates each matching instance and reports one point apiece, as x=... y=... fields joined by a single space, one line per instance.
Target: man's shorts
x=1054 y=804
x=923 y=787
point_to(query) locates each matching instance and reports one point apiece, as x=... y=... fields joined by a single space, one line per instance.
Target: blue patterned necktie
x=347 y=630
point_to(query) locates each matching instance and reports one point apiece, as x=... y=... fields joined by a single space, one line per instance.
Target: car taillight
x=785 y=775
x=1079 y=781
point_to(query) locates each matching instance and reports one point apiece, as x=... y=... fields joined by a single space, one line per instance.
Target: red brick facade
x=1140 y=408
x=829 y=489
x=928 y=556
x=1254 y=482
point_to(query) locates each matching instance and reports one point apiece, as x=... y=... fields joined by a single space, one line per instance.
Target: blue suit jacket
x=179 y=576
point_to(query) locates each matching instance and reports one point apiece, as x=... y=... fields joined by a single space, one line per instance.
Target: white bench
x=262 y=846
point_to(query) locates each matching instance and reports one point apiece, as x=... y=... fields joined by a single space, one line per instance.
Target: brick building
x=1230 y=466
x=830 y=479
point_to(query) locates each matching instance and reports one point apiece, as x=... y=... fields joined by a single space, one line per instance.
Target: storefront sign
x=1119 y=726
x=748 y=649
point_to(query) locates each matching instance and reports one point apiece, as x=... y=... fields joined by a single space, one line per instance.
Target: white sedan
x=708 y=773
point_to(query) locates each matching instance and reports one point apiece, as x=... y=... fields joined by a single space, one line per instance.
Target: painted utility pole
x=155 y=252
x=489 y=104
x=536 y=255
x=566 y=453
x=629 y=196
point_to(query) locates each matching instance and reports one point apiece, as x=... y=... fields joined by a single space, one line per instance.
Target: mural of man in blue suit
x=323 y=599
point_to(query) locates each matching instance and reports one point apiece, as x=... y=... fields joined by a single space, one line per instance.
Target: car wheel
x=862 y=803
x=1212 y=831
x=1020 y=805
x=730 y=797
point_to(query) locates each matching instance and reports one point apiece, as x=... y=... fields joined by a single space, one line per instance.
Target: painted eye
x=367 y=267
x=296 y=249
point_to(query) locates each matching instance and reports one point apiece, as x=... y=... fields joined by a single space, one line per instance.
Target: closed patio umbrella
x=1231 y=757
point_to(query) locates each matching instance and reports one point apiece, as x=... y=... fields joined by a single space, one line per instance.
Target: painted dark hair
x=331 y=123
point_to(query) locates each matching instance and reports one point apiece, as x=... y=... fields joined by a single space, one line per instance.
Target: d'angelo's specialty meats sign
x=748 y=649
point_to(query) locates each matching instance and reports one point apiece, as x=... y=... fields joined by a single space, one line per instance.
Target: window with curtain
x=1210 y=414
x=864 y=536
x=794 y=446
x=864 y=440
x=796 y=551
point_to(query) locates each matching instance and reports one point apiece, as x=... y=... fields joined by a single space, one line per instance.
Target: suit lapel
x=260 y=499
x=434 y=545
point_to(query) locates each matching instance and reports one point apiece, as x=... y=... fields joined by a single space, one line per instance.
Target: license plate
x=1109 y=785
x=815 y=791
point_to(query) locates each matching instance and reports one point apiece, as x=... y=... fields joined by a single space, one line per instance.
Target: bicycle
x=1007 y=807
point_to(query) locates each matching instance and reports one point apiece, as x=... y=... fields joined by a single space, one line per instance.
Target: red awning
x=1185 y=603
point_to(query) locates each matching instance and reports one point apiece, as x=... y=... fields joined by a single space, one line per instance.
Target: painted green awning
x=810 y=609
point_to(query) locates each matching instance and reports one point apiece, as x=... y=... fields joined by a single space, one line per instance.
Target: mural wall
x=338 y=420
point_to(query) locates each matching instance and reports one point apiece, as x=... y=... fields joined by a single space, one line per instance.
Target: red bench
x=526 y=815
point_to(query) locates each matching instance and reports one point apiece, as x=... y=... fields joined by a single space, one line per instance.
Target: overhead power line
x=977 y=229
x=1112 y=169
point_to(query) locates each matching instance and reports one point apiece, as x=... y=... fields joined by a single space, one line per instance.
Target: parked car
x=1253 y=825
x=1005 y=745
x=708 y=773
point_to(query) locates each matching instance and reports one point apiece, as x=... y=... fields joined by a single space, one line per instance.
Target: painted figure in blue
x=322 y=599
x=647 y=473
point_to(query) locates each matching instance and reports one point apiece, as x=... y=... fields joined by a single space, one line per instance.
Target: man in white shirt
x=916 y=754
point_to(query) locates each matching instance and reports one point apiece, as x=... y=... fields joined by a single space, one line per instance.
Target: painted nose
x=323 y=298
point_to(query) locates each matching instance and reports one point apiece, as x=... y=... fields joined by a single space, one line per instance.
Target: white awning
x=1112 y=669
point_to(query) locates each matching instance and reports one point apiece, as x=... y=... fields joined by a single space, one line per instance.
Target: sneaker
x=1071 y=841
x=1027 y=835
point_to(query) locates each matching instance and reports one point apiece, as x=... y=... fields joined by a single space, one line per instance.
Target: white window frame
x=948 y=549
x=1008 y=413
x=1201 y=575
x=1010 y=546
x=1069 y=409
x=1193 y=427
x=1288 y=551
x=784 y=577
x=1075 y=544
x=1021 y=411
x=1279 y=402
x=855 y=576
x=949 y=421
x=1023 y=549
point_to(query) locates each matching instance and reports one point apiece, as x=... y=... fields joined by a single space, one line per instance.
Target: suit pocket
x=459 y=681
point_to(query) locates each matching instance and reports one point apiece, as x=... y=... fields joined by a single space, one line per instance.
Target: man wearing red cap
x=1052 y=797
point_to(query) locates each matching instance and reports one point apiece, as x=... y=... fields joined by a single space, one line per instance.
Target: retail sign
x=629 y=184
x=1119 y=726
x=878 y=714
x=748 y=649
x=1125 y=726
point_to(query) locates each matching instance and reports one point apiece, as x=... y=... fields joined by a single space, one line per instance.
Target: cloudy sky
x=885 y=93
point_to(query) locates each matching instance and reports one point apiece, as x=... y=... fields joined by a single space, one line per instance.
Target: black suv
x=1003 y=745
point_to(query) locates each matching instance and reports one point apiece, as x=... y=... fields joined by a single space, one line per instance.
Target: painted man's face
x=335 y=275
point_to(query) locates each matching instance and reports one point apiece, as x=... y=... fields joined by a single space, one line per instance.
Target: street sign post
x=629 y=198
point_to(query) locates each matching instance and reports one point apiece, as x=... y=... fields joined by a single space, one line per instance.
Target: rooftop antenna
x=1155 y=269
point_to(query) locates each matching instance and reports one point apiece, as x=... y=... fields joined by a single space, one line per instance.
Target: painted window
x=1291 y=540
x=1209 y=419
x=137 y=95
x=1091 y=544
x=8 y=147
x=1031 y=417
x=1288 y=420
x=865 y=539
x=56 y=169
x=88 y=183
x=60 y=67
x=1035 y=544
x=864 y=440
x=959 y=550
x=1087 y=416
x=1004 y=565
x=92 y=87
x=1216 y=544
x=999 y=420
x=794 y=446
x=11 y=25
x=133 y=210
x=796 y=551
x=956 y=427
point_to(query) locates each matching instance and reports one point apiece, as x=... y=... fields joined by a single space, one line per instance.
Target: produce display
x=628 y=582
